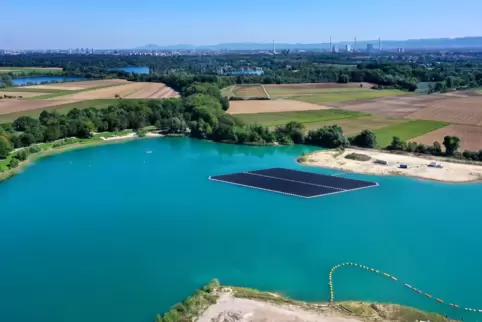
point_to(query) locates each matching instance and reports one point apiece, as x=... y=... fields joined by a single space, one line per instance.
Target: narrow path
x=265 y=91
x=332 y=292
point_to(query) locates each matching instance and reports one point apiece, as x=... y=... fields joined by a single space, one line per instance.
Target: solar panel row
x=293 y=182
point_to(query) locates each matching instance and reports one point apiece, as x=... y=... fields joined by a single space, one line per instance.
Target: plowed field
x=248 y=107
x=470 y=136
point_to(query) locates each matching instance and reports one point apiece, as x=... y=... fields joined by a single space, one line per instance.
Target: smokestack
x=355 y=45
x=331 y=48
x=274 y=48
x=379 y=44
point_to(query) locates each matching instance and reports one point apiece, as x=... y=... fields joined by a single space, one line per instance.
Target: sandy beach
x=417 y=166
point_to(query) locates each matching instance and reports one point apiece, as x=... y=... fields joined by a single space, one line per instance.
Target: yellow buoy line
x=332 y=292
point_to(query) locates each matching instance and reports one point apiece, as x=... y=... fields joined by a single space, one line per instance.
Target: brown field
x=22 y=94
x=247 y=107
x=247 y=91
x=399 y=106
x=12 y=106
x=357 y=124
x=81 y=85
x=154 y=90
x=465 y=110
x=129 y=90
x=315 y=86
x=470 y=136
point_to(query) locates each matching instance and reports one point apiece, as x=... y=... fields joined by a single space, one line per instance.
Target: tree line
x=279 y=69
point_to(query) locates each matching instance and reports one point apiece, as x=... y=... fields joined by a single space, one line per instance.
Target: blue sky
x=127 y=24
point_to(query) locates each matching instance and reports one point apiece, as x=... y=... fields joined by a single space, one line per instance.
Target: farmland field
x=247 y=91
x=406 y=131
x=462 y=110
x=248 y=107
x=470 y=136
x=357 y=124
x=26 y=70
x=77 y=94
x=79 y=85
x=13 y=92
x=275 y=119
x=348 y=96
x=62 y=107
x=129 y=90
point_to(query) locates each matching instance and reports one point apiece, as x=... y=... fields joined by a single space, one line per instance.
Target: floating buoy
x=428 y=295
x=408 y=286
x=439 y=300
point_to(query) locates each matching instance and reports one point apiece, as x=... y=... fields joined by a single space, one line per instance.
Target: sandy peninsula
x=417 y=166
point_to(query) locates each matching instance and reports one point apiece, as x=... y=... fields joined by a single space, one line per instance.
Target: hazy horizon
x=122 y=24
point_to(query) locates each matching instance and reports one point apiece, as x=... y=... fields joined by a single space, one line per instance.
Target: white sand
x=417 y=166
x=230 y=309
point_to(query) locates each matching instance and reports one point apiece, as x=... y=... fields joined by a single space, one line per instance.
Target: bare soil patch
x=470 y=136
x=247 y=91
x=417 y=166
x=12 y=106
x=464 y=110
x=21 y=94
x=247 y=107
x=81 y=85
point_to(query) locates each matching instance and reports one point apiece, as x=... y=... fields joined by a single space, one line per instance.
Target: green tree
x=5 y=147
x=397 y=144
x=6 y=80
x=328 y=137
x=366 y=139
x=452 y=144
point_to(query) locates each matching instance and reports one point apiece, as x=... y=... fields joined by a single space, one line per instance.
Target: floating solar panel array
x=293 y=182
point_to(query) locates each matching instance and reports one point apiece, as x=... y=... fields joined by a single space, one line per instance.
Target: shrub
x=357 y=157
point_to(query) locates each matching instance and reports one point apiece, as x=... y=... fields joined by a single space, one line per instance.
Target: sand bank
x=417 y=166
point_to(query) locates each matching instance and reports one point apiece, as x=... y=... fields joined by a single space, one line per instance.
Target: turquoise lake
x=115 y=234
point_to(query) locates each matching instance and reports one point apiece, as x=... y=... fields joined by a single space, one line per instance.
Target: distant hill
x=436 y=43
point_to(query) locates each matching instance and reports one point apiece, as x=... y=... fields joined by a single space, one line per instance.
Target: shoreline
x=215 y=302
x=451 y=172
x=76 y=146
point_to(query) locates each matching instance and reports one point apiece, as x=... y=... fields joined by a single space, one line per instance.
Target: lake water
x=133 y=69
x=115 y=234
x=20 y=81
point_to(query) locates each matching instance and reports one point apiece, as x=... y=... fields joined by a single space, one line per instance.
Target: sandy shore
x=417 y=166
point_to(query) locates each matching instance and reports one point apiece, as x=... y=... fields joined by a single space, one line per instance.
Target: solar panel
x=293 y=182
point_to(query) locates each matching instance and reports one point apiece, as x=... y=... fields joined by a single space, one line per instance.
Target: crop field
x=348 y=96
x=248 y=107
x=406 y=131
x=355 y=125
x=26 y=70
x=73 y=86
x=62 y=107
x=13 y=92
x=317 y=86
x=470 y=136
x=129 y=90
x=247 y=91
x=461 y=110
x=399 y=106
x=275 y=119
x=35 y=99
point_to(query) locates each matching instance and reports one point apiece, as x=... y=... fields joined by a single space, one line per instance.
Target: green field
x=30 y=90
x=406 y=131
x=228 y=91
x=98 y=103
x=300 y=91
x=355 y=125
x=346 y=97
x=282 y=118
x=27 y=70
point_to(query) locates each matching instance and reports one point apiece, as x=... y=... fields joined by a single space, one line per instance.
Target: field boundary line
x=265 y=91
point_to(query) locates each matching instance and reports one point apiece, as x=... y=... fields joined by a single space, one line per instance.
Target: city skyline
x=123 y=24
